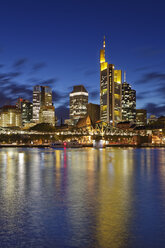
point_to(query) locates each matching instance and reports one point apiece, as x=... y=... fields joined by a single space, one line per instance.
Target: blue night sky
x=57 y=43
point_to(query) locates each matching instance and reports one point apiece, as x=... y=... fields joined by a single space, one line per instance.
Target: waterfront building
x=110 y=91
x=93 y=110
x=26 y=110
x=128 y=102
x=141 y=117
x=78 y=103
x=47 y=115
x=85 y=122
x=10 y=116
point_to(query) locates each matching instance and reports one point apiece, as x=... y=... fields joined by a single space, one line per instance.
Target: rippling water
x=82 y=198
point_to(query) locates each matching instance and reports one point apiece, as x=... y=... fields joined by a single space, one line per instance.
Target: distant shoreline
x=83 y=146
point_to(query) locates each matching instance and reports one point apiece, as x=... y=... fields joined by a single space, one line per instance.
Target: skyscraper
x=46 y=96
x=110 y=91
x=128 y=102
x=27 y=110
x=42 y=97
x=78 y=103
x=36 y=102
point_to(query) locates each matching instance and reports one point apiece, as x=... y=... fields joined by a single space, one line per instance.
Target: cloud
x=143 y=95
x=50 y=82
x=161 y=89
x=20 y=62
x=21 y=91
x=7 y=78
x=38 y=66
x=153 y=76
x=59 y=96
x=156 y=109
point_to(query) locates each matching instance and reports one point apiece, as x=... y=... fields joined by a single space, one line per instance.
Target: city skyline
x=50 y=52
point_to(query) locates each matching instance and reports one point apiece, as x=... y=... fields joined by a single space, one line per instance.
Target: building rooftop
x=79 y=88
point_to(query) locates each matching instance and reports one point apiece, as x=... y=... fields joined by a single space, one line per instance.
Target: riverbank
x=83 y=145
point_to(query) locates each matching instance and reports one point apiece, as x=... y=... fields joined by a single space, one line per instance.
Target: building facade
x=42 y=97
x=128 y=103
x=36 y=102
x=47 y=115
x=78 y=103
x=27 y=111
x=141 y=117
x=10 y=116
x=110 y=91
x=46 y=96
x=152 y=119
x=93 y=110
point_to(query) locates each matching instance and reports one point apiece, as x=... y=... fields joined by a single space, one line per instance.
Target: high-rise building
x=78 y=103
x=141 y=117
x=27 y=110
x=128 y=102
x=93 y=110
x=46 y=96
x=110 y=91
x=47 y=115
x=42 y=96
x=36 y=102
x=10 y=116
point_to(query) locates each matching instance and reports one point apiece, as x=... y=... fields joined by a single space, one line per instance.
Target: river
x=113 y=197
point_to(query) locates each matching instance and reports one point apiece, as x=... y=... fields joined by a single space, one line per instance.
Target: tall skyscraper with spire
x=110 y=91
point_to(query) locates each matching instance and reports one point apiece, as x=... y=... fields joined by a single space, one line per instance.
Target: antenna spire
x=124 y=76
x=104 y=42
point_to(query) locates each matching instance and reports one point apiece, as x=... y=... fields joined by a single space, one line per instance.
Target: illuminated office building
x=36 y=102
x=27 y=110
x=110 y=91
x=10 y=116
x=42 y=96
x=78 y=103
x=46 y=96
x=128 y=102
x=141 y=117
x=47 y=115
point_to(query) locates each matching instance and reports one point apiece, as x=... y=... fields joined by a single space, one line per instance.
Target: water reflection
x=82 y=197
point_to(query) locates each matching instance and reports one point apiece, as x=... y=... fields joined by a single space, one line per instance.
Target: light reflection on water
x=82 y=197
